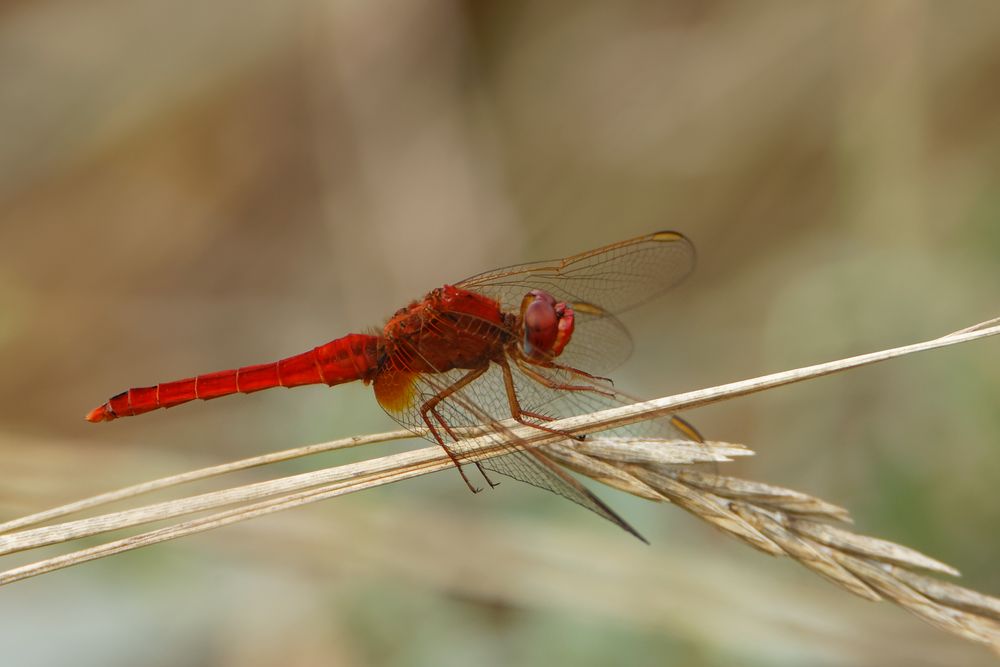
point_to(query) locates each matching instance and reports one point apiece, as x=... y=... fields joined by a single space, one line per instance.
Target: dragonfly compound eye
x=547 y=325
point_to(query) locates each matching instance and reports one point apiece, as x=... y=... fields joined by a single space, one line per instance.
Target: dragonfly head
x=548 y=324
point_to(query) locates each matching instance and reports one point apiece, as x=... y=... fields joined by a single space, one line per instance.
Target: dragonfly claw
x=489 y=481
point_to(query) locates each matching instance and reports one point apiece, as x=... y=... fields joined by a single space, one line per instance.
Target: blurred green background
x=190 y=186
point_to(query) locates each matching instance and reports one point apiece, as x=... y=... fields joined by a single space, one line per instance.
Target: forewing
x=610 y=279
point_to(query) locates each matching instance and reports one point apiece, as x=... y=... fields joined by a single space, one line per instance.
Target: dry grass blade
x=775 y=520
x=664 y=452
x=194 y=475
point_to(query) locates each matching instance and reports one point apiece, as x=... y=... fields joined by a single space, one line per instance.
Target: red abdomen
x=353 y=357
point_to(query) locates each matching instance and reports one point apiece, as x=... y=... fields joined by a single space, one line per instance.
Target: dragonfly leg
x=517 y=414
x=430 y=408
x=451 y=454
x=451 y=434
x=521 y=359
x=489 y=481
x=551 y=384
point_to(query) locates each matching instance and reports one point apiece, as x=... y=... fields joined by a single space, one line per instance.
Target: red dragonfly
x=528 y=342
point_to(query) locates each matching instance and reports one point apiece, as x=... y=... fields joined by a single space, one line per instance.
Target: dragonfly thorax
x=449 y=328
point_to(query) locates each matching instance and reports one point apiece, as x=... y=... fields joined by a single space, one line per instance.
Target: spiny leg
x=521 y=359
x=448 y=451
x=552 y=384
x=482 y=471
x=537 y=415
x=516 y=413
x=430 y=406
x=522 y=363
x=451 y=434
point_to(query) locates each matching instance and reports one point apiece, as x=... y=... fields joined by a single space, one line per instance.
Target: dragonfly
x=529 y=343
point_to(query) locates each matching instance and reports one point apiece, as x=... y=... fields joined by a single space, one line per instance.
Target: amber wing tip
x=99 y=414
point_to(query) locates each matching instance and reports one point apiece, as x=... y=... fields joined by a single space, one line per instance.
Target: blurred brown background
x=189 y=186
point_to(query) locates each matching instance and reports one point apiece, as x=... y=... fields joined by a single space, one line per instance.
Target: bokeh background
x=188 y=186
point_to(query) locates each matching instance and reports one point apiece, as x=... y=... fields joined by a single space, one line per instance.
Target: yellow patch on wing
x=588 y=309
x=686 y=428
x=667 y=236
x=395 y=389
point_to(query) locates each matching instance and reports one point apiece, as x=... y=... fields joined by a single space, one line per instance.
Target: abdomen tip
x=99 y=414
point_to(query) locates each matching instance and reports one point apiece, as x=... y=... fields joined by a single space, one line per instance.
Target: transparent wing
x=600 y=343
x=610 y=279
x=460 y=416
x=598 y=284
